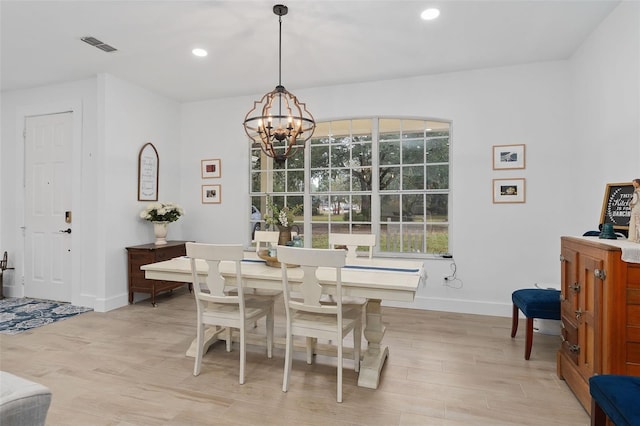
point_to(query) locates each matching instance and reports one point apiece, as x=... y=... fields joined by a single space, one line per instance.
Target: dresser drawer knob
x=600 y=274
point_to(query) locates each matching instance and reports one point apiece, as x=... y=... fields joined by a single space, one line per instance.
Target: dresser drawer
x=570 y=347
x=170 y=253
x=150 y=253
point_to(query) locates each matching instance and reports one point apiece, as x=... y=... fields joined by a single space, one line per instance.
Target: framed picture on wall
x=508 y=191
x=508 y=157
x=211 y=168
x=211 y=194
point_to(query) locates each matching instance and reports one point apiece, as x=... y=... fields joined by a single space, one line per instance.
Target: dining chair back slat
x=352 y=242
x=268 y=237
x=215 y=282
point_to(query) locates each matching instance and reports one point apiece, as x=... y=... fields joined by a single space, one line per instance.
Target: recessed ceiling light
x=429 y=14
x=199 y=52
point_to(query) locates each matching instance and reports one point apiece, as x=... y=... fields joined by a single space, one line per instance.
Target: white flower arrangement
x=162 y=212
x=284 y=216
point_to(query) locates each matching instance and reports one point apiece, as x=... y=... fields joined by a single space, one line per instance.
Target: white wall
x=605 y=88
x=132 y=117
x=578 y=118
x=115 y=119
x=493 y=245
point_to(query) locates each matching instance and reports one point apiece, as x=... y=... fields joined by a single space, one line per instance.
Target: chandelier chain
x=280 y=52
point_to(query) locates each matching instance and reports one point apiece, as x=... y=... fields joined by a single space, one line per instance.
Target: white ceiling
x=324 y=42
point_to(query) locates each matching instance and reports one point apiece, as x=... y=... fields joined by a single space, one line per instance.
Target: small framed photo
x=508 y=157
x=508 y=190
x=211 y=168
x=211 y=194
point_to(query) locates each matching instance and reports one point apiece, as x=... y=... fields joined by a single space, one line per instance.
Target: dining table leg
x=211 y=335
x=376 y=354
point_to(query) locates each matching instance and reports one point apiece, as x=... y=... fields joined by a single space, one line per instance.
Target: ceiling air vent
x=97 y=43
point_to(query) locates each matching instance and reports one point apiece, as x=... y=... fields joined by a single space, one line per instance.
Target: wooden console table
x=151 y=253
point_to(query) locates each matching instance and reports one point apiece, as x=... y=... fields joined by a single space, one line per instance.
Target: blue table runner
x=370 y=268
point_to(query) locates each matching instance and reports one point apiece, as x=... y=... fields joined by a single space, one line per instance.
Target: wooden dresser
x=600 y=314
x=151 y=253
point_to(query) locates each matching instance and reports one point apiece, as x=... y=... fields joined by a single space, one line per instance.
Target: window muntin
x=396 y=167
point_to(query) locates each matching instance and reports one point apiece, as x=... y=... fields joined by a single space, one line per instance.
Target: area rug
x=22 y=314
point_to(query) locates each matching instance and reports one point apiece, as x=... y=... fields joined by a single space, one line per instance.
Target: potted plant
x=283 y=218
x=161 y=214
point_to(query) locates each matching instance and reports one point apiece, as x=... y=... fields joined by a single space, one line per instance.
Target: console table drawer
x=150 y=253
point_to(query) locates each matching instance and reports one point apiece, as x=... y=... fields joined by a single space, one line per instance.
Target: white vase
x=160 y=231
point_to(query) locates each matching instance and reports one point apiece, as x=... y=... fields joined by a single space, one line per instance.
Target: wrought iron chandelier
x=278 y=122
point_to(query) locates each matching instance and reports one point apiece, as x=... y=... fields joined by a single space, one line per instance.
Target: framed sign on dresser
x=150 y=253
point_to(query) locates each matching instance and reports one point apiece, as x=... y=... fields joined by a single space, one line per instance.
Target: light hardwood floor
x=128 y=367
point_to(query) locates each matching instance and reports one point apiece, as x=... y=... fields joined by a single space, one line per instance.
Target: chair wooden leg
x=529 y=342
x=243 y=352
x=311 y=349
x=598 y=416
x=199 y=349
x=339 y=397
x=514 y=321
x=228 y=339
x=357 y=343
x=270 y=333
x=288 y=355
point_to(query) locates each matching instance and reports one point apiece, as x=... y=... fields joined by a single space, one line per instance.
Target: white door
x=48 y=216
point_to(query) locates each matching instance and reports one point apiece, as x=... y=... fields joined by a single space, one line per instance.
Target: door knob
x=68 y=230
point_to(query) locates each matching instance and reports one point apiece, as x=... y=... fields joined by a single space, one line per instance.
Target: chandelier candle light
x=278 y=122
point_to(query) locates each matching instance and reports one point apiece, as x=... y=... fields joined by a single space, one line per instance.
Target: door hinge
x=600 y=274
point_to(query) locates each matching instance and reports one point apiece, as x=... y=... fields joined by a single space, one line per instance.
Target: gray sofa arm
x=22 y=402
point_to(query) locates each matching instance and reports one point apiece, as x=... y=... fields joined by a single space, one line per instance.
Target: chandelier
x=278 y=122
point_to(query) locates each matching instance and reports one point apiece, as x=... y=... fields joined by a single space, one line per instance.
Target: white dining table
x=375 y=279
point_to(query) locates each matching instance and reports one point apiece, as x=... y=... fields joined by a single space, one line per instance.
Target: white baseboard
x=457 y=306
x=105 y=305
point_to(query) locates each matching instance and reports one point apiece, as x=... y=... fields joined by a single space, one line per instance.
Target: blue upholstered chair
x=615 y=397
x=534 y=303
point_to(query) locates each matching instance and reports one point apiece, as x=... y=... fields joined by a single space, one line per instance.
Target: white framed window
x=387 y=176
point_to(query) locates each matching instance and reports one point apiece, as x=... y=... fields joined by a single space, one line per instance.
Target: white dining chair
x=307 y=316
x=270 y=238
x=220 y=308
x=352 y=242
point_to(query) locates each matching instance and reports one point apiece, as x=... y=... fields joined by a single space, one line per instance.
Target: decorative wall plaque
x=148 y=167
